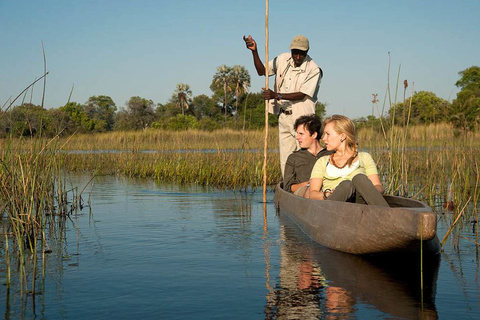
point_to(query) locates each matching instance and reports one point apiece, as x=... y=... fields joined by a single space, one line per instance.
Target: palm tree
x=241 y=78
x=182 y=96
x=221 y=78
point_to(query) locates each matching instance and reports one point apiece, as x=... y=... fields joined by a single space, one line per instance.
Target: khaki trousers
x=286 y=138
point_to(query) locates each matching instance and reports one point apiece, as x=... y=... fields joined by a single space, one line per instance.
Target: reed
x=32 y=193
x=220 y=168
x=417 y=161
x=427 y=165
x=156 y=139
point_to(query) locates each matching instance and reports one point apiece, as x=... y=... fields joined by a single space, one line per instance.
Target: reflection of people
x=339 y=303
x=298 y=294
x=297 y=80
x=346 y=173
x=300 y=163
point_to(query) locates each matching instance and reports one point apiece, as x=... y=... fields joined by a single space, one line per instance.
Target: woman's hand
x=327 y=193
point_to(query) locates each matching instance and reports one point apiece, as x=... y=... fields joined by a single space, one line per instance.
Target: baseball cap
x=300 y=43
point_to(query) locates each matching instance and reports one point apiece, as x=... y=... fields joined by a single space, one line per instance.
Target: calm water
x=149 y=251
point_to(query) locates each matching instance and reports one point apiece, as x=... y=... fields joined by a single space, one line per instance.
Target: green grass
x=32 y=194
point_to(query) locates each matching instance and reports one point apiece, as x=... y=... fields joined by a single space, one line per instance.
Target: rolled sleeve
x=311 y=84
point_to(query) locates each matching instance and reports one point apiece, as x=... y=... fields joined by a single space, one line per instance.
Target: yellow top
x=332 y=175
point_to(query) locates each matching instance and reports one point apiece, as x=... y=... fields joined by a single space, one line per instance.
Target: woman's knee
x=346 y=186
x=360 y=180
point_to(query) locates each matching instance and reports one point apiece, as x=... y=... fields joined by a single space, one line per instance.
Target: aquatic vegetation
x=158 y=139
x=220 y=168
x=415 y=161
x=33 y=192
x=431 y=163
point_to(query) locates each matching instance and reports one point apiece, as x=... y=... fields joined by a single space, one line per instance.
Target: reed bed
x=32 y=193
x=221 y=168
x=156 y=139
x=433 y=163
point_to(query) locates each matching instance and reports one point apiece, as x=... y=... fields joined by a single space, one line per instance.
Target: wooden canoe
x=354 y=228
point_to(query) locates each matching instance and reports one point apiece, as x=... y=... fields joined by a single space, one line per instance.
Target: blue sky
x=145 y=48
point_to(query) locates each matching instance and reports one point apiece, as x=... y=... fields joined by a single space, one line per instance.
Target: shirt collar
x=302 y=67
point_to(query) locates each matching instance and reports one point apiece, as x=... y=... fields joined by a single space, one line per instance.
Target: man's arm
x=269 y=94
x=252 y=45
x=297 y=186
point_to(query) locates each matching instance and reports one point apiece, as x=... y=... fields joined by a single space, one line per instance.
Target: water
x=169 y=252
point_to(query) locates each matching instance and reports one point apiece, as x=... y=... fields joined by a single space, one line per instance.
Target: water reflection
x=316 y=282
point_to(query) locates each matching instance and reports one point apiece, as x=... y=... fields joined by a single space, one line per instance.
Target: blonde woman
x=345 y=175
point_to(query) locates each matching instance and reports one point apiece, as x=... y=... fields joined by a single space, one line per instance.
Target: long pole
x=266 y=116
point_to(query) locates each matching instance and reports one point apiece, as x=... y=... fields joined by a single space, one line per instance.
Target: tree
x=204 y=107
x=255 y=112
x=470 y=79
x=79 y=121
x=165 y=111
x=321 y=109
x=182 y=97
x=27 y=120
x=425 y=107
x=59 y=123
x=240 y=78
x=102 y=109
x=181 y=122
x=465 y=109
x=220 y=83
x=138 y=115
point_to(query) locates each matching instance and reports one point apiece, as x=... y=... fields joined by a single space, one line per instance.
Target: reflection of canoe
x=394 y=284
x=363 y=229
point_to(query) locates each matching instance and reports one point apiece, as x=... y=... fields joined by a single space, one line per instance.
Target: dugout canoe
x=407 y=226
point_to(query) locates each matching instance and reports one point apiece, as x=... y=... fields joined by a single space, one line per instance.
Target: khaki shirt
x=288 y=79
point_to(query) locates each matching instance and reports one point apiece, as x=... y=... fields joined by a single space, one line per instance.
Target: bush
x=207 y=124
x=181 y=122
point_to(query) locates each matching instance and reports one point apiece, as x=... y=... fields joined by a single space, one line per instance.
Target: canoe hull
x=407 y=226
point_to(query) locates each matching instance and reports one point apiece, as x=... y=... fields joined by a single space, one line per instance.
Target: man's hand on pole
x=269 y=94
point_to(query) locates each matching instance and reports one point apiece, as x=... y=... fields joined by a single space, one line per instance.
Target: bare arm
x=252 y=45
x=375 y=178
x=269 y=94
x=297 y=186
x=315 y=189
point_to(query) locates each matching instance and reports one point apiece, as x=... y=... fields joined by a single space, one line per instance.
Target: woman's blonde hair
x=343 y=125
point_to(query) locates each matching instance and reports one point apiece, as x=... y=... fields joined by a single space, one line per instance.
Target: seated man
x=300 y=163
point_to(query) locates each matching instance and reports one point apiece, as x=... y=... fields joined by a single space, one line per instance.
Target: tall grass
x=220 y=168
x=156 y=139
x=419 y=161
x=32 y=193
x=435 y=163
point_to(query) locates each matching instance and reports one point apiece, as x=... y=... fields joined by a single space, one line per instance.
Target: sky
x=127 y=48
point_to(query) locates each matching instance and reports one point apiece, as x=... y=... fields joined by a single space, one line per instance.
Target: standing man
x=297 y=80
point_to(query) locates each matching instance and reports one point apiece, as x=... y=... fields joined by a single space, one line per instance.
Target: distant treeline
x=229 y=106
x=424 y=107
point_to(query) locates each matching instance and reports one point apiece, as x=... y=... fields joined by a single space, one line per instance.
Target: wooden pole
x=266 y=116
